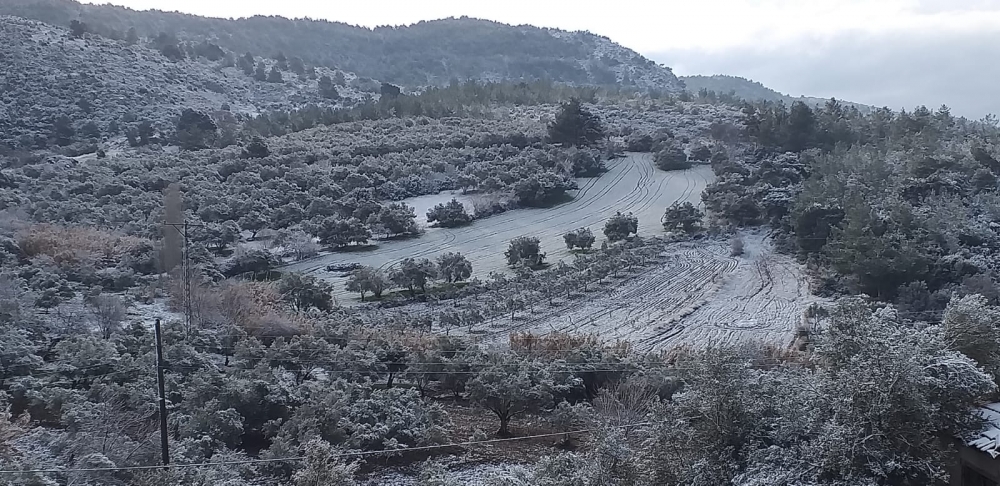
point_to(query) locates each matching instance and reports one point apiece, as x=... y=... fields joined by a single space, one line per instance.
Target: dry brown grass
x=251 y=307
x=552 y=344
x=70 y=245
x=759 y=355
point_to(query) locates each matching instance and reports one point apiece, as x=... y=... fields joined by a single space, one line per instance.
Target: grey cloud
x=899 y=70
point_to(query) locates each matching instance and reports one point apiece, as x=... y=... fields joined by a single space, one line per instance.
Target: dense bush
x=620 y=226
x=682 y=217
x=524 y=251
x=581 y=238
x=575 y=125
x=864 y=195
x=449 y=215
x=671 y=157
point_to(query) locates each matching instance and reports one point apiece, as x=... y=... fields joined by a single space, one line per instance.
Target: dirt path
x=631 y=184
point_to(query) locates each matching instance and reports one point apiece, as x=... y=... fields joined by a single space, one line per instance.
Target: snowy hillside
x=422 y=54
x=49 y=74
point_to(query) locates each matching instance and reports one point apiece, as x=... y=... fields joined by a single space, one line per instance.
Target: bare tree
x=627 y=403
x=108 y=311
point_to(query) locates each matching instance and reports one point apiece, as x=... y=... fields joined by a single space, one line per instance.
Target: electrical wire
x=300 y=458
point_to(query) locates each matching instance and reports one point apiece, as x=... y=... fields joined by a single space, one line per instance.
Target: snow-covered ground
x=157 y=309
x=422 y=204
x=700 y=296
x=631 y=184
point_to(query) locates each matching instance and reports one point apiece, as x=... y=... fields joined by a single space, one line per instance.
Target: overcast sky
x=898 y=53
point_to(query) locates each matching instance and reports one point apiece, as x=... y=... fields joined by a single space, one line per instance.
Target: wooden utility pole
x=163 y=399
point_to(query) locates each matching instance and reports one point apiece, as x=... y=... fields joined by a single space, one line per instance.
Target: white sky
x=882 y=52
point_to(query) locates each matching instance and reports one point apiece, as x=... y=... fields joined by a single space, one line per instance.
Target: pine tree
x=274 y=76
x=575 y=125
x=77 y=29
x=261 y=73
x=131 y=37
x=327 y=89
x=246 y=63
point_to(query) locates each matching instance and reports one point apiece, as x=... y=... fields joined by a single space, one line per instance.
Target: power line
x=345 y=454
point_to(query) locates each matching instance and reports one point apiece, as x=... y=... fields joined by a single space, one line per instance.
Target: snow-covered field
x=700 y=296
x=632 y=184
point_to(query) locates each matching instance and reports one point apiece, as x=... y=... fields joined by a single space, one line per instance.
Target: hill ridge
x=425 y=53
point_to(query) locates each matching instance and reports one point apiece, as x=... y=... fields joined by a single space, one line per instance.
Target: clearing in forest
x=631 y=184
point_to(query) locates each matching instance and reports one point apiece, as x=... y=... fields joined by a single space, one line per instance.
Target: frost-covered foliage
x=869 y=410
x=683 y=217
x=509 y=386
x=346 y=172
x=575 y=125
x=426 y=53
x=621 y=226
x=867 y=403
x=581 y=238
x=61 y=90
x=449 y=214
x=898 y=205
x=525 y=251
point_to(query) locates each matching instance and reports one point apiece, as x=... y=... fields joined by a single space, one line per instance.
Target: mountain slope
x=426 y=53
x=50 y=75
x=753 y=91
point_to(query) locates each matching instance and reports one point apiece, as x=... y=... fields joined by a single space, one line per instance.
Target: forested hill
x=57 y=87
x=427 y=53
x=751 y=90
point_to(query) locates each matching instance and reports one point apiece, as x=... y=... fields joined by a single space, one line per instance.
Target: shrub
x=449 y=215
x=575 y=125
x=736 y=246
x=620 y=226
x=672 y=157
x=581 y=238
x=682 y=217
x=526 y=251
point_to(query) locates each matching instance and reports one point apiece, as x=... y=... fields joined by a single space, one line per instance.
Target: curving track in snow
x=632 y=184
x=699 y=296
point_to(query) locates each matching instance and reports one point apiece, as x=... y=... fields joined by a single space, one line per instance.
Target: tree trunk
x=504 y=423
x=388 y=383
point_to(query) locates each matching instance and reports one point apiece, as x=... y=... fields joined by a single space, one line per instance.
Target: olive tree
x=368 y=279
x=682 y=217
x=525 y=251
x=412 y=273
x=324 y=466
x=338 y=232
x=304 y=292
x=621 y=226
x=510 y=385
x=671 y=157
x=581 y=238
x=454 y=267
x=449 y=215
